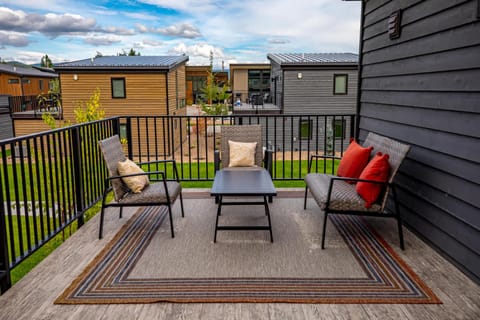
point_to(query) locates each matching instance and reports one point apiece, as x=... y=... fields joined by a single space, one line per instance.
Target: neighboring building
x=196 y=78
x=420 y=84
x=6 y=129
x=23 y=81
x=129 y=86
x=314 y=83
x=249 y=79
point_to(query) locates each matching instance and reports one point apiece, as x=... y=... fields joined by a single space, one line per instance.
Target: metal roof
x=25 y=72
x=124 y=62
x=313 y=58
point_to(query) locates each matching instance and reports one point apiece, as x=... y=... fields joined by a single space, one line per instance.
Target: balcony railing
x=34 y=106
x=49 y=180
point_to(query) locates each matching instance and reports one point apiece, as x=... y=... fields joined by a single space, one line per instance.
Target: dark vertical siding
x=423 y=88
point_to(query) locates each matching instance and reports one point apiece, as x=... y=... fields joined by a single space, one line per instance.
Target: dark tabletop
x=243 y=183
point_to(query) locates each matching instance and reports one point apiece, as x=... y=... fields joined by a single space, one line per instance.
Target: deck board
x=33 y=296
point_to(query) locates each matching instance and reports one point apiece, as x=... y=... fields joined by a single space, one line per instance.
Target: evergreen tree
x=46 y=62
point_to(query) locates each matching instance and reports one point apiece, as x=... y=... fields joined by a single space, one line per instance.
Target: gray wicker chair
x=334 y=195
x=155 y=194
x=242 y=133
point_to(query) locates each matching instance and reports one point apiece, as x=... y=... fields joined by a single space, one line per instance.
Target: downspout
x=283 y=90
x=168 y=112
x=359 y=77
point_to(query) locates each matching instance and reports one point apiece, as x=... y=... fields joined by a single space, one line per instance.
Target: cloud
x=152 y=43
x=182 y=30
x=184 y=5
x=278 y=41
x=141 y=28
x=13 y=39
x=101 y=41
x=53 y=25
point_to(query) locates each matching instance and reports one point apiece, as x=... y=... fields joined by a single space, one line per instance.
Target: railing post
x=5 y=280
x=77 y=175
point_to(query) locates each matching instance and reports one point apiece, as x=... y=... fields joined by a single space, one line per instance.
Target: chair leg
x=120 y=215
x=181 y=204
x=399 y=219
x=171 y=219
x=305 y=200
x=102 y=213
x=324 y=229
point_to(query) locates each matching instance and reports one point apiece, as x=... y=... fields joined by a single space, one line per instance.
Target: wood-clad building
x=196 y=79
x=129 y=86
x=420 y=84
x=314 y=83
x=23 y=81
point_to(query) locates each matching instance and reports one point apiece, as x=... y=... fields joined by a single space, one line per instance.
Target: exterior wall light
x=299 y=75
x=75 y=77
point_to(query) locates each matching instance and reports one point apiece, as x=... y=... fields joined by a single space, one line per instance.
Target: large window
x=340 y=83
x=306 y=129
x=258 y=81
x=118 y=88
x=339 y=128
x=13 y=81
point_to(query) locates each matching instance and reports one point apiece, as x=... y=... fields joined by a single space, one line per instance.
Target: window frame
x=340 y=75
x=309 y=123
x=112 y=80
x=341 y=125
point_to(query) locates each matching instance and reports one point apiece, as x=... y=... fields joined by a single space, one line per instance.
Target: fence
x=49 y=180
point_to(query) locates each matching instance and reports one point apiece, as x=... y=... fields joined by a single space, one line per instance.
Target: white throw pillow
x=136 y=183
x=242 y=154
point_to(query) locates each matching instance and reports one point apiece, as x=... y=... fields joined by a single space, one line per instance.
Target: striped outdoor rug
x=112 y=277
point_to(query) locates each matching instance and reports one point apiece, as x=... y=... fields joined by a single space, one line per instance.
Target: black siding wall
x=423 y=88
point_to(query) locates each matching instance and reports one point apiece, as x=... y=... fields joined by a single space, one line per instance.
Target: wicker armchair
x=335 y=195
x=155 y=194
x=242 y=133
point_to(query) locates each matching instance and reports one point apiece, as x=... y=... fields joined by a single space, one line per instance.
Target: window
x=40 y=85
x=13 y=81
x=340 y=83
x=25 y=80
x=123 y=132
x=339 y=128
x=306 y=129
x=118 y=88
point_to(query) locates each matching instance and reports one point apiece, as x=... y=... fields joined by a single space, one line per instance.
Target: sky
x=237 y=31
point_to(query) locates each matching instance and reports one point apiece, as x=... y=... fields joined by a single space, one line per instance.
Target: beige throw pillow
x=242 y=154
x=136 y=183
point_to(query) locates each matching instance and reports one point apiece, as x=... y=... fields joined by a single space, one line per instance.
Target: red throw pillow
x=354 y=160
x=377 y=169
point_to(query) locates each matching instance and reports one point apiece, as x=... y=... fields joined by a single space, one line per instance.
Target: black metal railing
x=49 y=180
x=35 y=105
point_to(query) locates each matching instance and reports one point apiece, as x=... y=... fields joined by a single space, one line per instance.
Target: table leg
x=267 y=211
x=219 y=212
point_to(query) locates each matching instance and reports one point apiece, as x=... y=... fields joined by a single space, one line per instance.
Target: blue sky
x=240 y=31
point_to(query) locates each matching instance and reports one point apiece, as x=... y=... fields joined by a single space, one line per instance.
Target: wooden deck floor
x=33 y=296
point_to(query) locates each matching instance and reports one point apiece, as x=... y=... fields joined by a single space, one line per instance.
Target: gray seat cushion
x=344 y=195
x=155 y=192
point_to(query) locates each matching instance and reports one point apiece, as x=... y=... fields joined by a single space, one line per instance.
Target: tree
x=214 y=93
x=132 y=52
x=99 y=54
x=46 y=62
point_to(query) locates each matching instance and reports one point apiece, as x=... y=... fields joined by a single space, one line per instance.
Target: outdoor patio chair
x=242 y=133
x=338 y=195
x=154 y=194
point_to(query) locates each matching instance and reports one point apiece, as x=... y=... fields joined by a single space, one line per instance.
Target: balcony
x=59 y=175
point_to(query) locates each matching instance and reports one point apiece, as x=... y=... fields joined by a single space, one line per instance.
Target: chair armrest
x=268 y=160
x=333 y=179
x=162 y=173
x=216 y=160
x=155 y=162
x=319 y=156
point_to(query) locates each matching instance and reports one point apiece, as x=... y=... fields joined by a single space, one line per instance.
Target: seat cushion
x=378 y=169
x=242 y=154
x=344 y=195
x=354 y=160
x=153 y=193
x=135 y=183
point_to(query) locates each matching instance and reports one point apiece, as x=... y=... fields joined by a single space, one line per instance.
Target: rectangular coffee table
x=243 y=183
